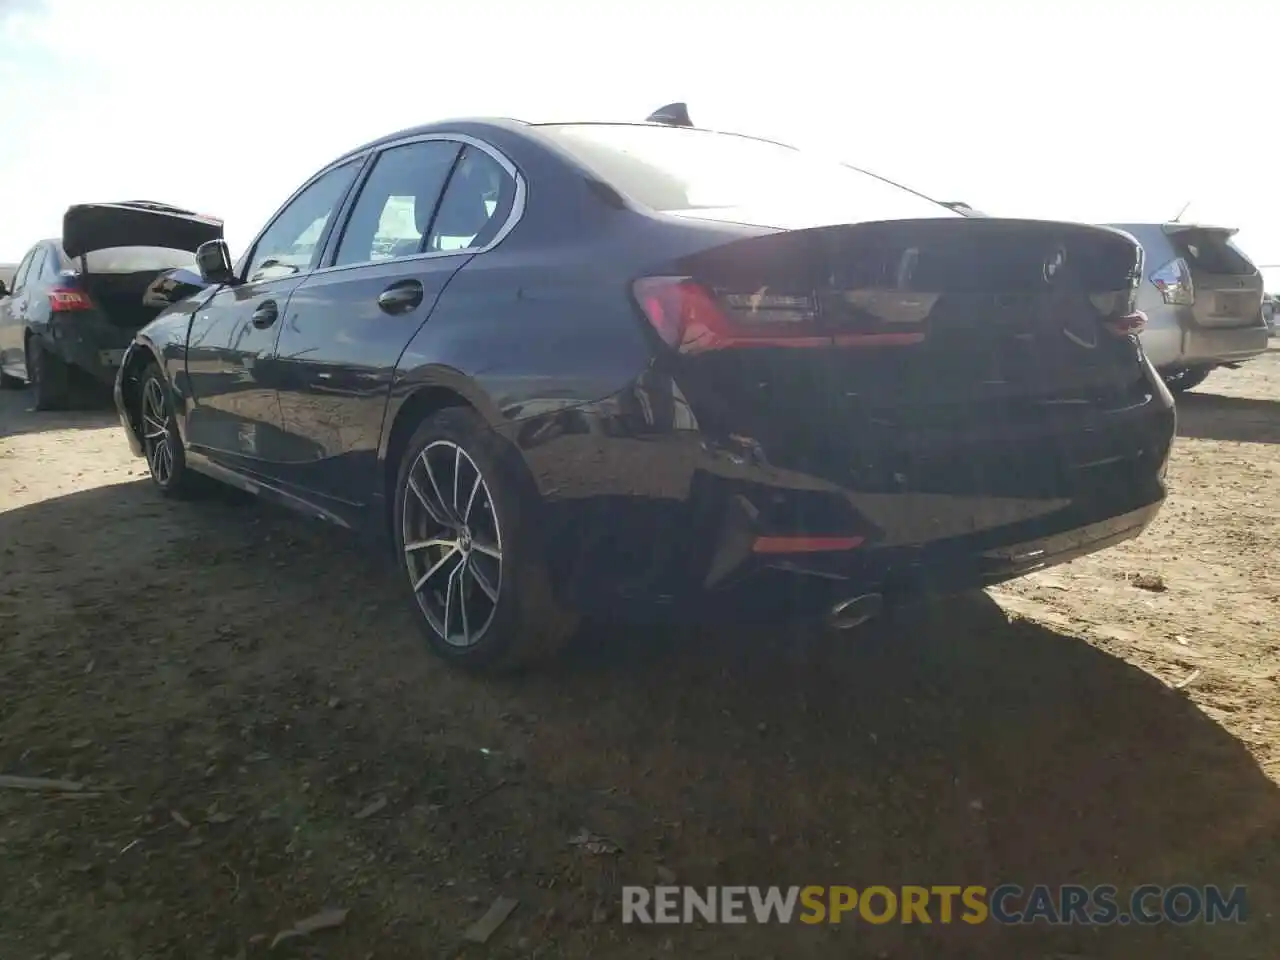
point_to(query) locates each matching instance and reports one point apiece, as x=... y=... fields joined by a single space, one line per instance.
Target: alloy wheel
x=155 y=433
x=452 y=543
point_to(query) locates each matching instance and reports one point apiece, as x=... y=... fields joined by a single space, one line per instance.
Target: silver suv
x=1202 y=298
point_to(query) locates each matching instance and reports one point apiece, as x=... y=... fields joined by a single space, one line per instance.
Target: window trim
x=360 y=161
x=514 y=216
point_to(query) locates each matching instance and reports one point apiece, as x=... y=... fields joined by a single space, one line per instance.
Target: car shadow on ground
x=238 y=653
x=1211 y=416
x=17 y=416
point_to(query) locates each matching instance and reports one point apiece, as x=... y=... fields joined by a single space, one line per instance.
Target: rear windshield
x=1211 y=251
x=720 y=176
x=136 y=259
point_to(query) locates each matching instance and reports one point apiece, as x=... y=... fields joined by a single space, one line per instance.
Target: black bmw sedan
x=593 y=367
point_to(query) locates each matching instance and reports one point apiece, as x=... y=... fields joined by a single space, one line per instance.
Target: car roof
x=478 y=126
x=471 y=124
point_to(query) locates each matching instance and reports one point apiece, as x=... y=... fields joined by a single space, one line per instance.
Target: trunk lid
x=970 y=362
x=1228 y=287
x=939 y=311
x=122 y=249
x=135 y=223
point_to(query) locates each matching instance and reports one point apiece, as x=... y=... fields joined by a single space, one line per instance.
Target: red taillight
x=693 y=319
x=690 y=318
x=1127 y=326
x=62 y=300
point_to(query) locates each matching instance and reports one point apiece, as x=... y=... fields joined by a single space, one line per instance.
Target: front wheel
x=161 y=442
x=470 y=549
x=1180 y=381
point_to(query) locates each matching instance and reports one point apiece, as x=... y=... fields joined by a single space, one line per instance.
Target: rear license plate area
x=1231 y=304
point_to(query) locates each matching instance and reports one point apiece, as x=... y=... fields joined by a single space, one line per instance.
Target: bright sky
x=1090 y=110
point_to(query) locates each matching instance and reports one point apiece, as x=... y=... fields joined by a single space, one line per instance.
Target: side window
x=53 y=264
x=34 y=267
x=20 y=277
x=397 y=201
x=292 y=243
x=475 y=205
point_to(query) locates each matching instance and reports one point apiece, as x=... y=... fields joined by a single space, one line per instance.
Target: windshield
x=722 y=176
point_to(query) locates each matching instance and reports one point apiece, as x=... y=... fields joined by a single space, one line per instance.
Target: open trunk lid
x=135 y=223
x=957 y=360
x=123 y=249
x=1227 y=287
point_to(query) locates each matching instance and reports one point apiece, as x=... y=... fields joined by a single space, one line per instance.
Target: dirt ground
x=261 y=736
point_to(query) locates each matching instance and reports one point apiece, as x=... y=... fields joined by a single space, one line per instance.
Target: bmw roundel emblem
x=1053 y=264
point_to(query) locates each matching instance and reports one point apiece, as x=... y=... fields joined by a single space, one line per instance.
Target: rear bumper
x=90 y=343
x=1209 y=345
x=776 y=593
x=695 y=522
x=784 y=585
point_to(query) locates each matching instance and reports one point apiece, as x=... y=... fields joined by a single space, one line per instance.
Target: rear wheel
x=1182 y=380
x=161 y=442
x=477 y=576
x=49 y=375
x=11 y=383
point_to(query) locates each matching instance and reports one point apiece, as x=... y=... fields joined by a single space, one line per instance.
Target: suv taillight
x=63 y=300
x=1173 y=280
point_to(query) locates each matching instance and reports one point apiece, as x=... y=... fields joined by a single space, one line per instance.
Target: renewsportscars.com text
x=1005 y=904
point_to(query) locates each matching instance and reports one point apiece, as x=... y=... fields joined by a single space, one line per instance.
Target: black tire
x=506 y=610
x=1180 y=381
x=161 y=441
x=11 y=383
x=49 y=375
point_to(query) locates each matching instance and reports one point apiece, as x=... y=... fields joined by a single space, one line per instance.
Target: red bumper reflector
x=804 y=544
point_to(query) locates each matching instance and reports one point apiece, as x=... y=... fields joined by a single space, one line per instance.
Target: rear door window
x=1211 y=251
x=476 y=205
x=20 y=277
x=391 y=217
x=35 y=267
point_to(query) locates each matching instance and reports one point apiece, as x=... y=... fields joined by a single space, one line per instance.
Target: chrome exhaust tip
x=855 y=611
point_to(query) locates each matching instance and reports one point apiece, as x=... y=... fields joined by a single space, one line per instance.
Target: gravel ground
x=261 y=736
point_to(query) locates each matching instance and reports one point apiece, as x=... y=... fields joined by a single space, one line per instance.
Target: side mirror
x=4 y=290
x=214 y=260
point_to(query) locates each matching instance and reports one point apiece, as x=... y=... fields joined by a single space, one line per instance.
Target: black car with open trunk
x=75 y=302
